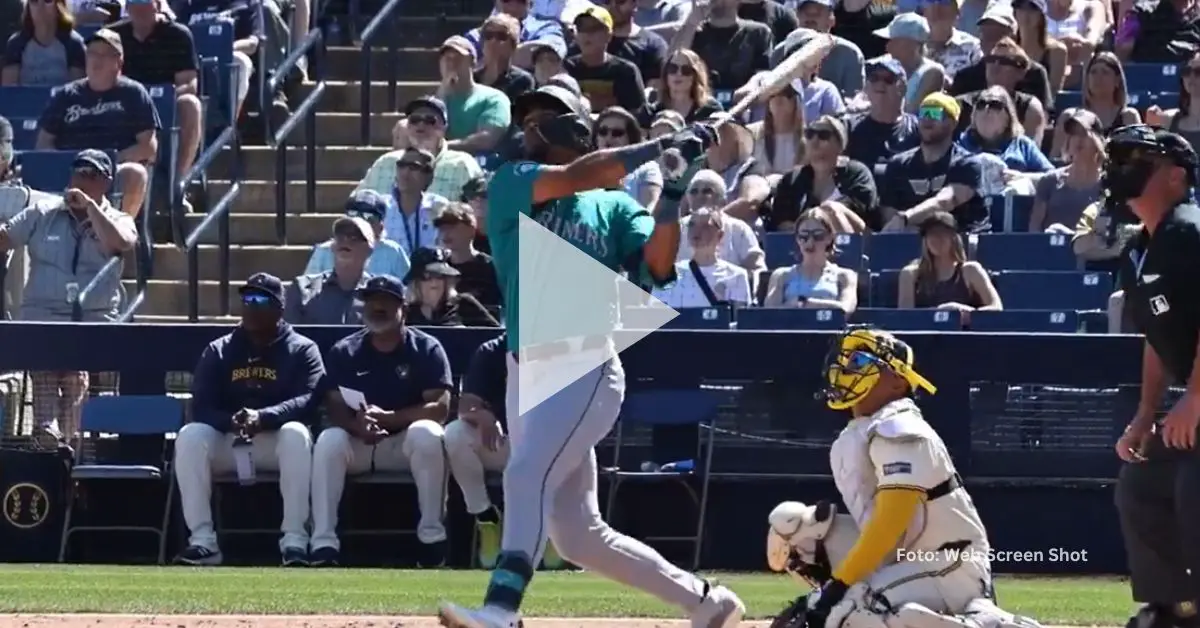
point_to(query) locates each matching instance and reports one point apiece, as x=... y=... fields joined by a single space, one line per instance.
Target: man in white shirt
x=706 y=280
x=740 y=245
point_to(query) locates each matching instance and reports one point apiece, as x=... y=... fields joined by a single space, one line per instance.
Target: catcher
x=922 y=557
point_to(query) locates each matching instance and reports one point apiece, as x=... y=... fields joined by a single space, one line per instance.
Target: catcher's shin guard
x=794 y=616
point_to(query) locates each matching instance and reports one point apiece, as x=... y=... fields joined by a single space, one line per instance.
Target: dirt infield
x=304 y=621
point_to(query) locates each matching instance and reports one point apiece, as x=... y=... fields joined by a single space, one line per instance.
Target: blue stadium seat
x=48 y=170
x=849 y=247
x=1047 y=289
x=23 y=102
x=1094 y=321
x=168 y=138
x=1067 y=100
x=885 y=288
x=889 y=251
x=702 y=318
x=25 y=131
x=789 y=318
x=780 y=249
x=1151 y=78
x=1009 y=213
x=910 y=320
x=1048 y=321
x=1025 y=251
x=214 y=47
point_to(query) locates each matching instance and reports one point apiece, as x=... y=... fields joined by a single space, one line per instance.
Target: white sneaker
x=455 y=616
x=721 y=608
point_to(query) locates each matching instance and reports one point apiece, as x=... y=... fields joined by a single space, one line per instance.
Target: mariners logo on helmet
x=857 y=360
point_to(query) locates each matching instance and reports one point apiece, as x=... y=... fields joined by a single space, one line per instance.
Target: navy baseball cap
x=367 y=202
x=264 y=283
x=92 y=159
x=381 y=284
x=427 y=102
x=886 y=62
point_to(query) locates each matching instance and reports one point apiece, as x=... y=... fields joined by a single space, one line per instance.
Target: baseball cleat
x=455 y=616
x=198 y=556
x=721 y=608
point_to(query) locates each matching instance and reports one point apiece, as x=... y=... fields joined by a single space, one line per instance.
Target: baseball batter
x=921 y=559
x=550 y=480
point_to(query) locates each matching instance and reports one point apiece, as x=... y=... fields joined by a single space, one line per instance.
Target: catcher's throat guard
x=856 y=361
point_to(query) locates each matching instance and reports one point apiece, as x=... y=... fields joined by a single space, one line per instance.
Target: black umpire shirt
x=487 y=377
x=1162 y=288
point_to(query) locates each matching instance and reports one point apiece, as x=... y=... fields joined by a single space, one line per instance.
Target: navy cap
x=427 y=102
x=430 y=261
x=886 y=62
x=93 y=159
x=382 y=284
x=367 y=202
x=264 y=283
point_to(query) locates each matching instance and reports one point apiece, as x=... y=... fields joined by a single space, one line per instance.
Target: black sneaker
x=324 y=557
x=432 y=555
x=295 y=557
x=198 y=556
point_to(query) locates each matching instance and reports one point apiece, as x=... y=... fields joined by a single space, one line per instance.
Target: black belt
x=945 y=488
x=559 y=348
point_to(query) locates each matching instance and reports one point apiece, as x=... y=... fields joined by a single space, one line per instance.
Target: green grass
x=104 y=589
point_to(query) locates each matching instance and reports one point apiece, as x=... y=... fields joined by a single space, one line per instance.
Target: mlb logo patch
x=402 y=371
x=1159 y=305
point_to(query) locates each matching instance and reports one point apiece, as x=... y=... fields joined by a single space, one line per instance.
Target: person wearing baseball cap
x=607 y=80
x=907 y=35
x=394 y=424
x=363 y=219
x=460 y=231
x=424 y=127
x=435 y=298
x=937 y=176
x=999 y=22
x=252 y=387
x=479 y=127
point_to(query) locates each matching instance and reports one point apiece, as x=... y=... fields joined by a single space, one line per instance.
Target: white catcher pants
x=469 y=460
x=201 y=451
x=417 y=449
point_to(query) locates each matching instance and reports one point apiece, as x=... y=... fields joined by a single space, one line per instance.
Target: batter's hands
x=1179 y=428
x=692 y=142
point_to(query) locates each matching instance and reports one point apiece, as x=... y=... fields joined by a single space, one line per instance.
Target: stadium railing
x=385 y=15
x=306 y=111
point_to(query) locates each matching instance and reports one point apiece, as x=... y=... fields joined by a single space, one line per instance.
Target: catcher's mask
x=857 y=359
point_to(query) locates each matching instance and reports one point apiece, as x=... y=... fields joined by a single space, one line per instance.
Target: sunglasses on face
x=254 y=299
x=1007 y=62
x=815 y=235
x=370 y=217
x=496 y=36
x=426 y=120
x=818 y=134
x=991 y=105
x=882 y=77
x=936 y=114
x=677 y=68
x=613 y=132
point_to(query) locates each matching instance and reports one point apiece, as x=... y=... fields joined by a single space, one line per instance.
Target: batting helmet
x=571 y=128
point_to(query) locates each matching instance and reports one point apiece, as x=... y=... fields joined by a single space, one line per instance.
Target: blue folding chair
x=697 y=407
x=168 y=138
x=25 y=132
x=889 y=251
x=48 y=170
x=789 y=318
x=1053 y=290
x=23 y=102
x=910 y=320
x=214 y=48
x=1045 y=321
x=138 y=420
x=1025 y=251
x=849 y=250
x=885 y=289
x=779 y=249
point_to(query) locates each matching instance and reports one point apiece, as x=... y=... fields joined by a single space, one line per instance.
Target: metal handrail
x=306 y=111
x=5 y=259
x=387 y=13
x=110 y=267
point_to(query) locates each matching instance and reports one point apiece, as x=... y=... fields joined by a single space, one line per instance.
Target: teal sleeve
x=510 y=194
x=634 y=226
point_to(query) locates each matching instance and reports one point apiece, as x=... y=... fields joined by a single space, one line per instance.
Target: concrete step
x=258 y=197
x=427 y=32
x=306 y=229
x=343 y=163
x=347 y=95
x=168 y=297
x=343 y=128
x=170 y=262
x=410 y=64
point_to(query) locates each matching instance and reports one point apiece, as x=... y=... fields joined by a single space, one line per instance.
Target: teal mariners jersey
x=609 y=226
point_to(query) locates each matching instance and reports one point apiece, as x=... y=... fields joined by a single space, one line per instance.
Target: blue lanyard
x=413 y=233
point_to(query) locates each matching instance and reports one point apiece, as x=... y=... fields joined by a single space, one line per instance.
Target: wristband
x=633 y=157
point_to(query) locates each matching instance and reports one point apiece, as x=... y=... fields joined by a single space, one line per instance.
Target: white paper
x=353 y=398
x=245 y=464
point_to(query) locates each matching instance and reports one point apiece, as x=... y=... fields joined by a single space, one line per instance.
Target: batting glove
x=692 y=141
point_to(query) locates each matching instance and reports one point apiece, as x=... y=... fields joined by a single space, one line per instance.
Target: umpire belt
x=560 y=348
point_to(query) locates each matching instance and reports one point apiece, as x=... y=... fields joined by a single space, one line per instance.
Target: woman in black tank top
x=1037 y=43
x=942 y=277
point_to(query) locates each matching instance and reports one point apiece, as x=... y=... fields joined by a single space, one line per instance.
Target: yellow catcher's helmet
x=855 y=363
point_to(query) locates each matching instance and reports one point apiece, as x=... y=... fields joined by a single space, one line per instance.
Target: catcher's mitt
x=794 y=616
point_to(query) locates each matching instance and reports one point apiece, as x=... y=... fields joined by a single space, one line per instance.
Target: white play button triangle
x=566 y=295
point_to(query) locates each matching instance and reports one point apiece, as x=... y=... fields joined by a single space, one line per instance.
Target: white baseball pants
x=550 y=484
x=201 y=451
x=469 y=460
x=417 y=449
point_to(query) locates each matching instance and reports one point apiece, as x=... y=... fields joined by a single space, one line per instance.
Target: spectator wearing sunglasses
x=605 y=79
x=739 y=245
x=434 y=298
x=995 y=129
x=257 y=383
x=1006 y=62
x=685 y=90
x=423 y=128
x=842 y=187
x=616 y=127
x=1000 y=22
x=947 y=45
x=477 y=274
x=907 y=36
x=815 y=281
x=387 y=258
x=885 y=129
x=499 y=37
x=942 y=277
x=411 y=207
x=1105 y=94
x=328 y=298
x=937 y=176
x=706 y=280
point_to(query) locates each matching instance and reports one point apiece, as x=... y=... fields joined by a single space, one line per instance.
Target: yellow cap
x=945 y=101
x=598 y=13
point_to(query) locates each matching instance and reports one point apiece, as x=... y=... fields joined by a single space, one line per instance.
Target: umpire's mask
x=857 y=359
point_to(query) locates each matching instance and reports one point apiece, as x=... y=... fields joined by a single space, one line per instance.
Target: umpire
x=1157 y=490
